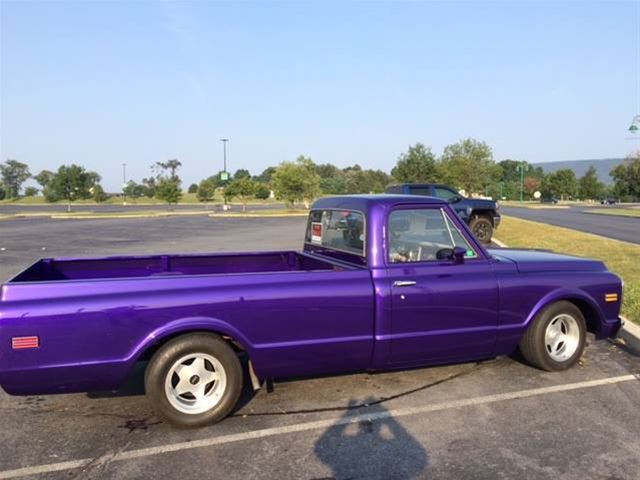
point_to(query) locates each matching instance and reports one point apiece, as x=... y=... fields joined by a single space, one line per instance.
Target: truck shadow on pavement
x=370 y=449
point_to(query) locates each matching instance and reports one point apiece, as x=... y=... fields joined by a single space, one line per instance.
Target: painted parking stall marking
x=306 y=426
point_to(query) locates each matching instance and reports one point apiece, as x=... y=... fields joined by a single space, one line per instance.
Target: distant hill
x=603 y=167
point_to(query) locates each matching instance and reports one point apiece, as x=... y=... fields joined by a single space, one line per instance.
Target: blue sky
x=102 y=83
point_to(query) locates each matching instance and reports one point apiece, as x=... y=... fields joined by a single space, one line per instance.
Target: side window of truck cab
x=424 y=235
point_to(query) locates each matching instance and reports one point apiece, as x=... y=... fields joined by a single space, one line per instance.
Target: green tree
x=627 y=179
x=171 y=166
x=589 y=186
x=134 y=190
x=150 y=187
x=242 y=188
x=296 y=181
x=14 y=174
x=355 y=180
x=265 y=176
x=469 y=165
x=561 y=183
x=207 y=189
x=30 y=192
x=376 y=180
x=262 y=191
x=332 y=179
x=45 y=179
x=241 y=173
x=99 y=194
x=193 y=188
x=72 y=182
x=3 y=194
x=169 y=189
x=417 y=165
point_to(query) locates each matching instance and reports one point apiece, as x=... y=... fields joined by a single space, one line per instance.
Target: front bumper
x=610 y=328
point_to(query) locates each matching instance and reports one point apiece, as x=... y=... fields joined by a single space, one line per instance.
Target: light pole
x=522 y=168
x=224 y=176
x=124 y=184
x=224 y=153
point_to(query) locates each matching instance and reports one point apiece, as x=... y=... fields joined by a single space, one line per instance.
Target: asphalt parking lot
x=626 y=229
x=495 y=419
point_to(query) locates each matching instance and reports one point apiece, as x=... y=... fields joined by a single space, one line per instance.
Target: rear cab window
x=423 y=235
x=334 y=230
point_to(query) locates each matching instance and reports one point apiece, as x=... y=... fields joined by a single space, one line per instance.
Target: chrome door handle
x=404 y=283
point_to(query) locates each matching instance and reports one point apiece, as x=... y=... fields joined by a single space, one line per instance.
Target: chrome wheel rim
x=562 y=337
x=195 y=383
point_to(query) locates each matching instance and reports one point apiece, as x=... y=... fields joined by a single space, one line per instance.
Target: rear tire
x=482 y=228
x=555 y=339
x=194 y=380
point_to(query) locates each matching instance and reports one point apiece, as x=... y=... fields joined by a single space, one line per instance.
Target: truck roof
x=421 y=185
x=364 y=202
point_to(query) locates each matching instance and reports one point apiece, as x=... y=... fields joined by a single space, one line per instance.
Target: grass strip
x=619 y=212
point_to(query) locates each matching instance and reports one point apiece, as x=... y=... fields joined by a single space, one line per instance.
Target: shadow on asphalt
x=370 y=449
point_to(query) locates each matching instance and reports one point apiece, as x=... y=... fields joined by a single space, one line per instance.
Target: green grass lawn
x=620 y=257
x=529 y=204
x=621 y=212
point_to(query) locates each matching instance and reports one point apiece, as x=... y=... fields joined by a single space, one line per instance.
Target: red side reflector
x=18 y=343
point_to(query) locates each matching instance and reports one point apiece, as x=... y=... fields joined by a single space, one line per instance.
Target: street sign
x=224 y=176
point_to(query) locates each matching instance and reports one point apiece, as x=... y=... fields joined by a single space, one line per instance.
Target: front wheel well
x=590 y=314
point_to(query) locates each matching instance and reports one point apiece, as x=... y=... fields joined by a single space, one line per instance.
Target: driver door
x=441 y=310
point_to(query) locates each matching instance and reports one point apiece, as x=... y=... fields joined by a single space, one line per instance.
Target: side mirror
x=458 y=254
x=455 y=254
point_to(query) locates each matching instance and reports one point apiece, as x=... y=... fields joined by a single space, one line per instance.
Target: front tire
x=556 y=338
x=194 y=380
x=482 y=228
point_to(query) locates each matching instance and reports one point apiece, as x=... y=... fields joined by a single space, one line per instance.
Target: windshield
x=447 y=194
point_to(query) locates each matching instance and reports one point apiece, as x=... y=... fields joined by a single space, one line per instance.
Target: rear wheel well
x=488 y=214
x=152 y=349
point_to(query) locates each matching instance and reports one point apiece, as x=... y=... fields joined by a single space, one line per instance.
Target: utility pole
x=522 y=168
x=124 y=183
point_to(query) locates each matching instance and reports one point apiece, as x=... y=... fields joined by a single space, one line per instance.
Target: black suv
x=481 y=215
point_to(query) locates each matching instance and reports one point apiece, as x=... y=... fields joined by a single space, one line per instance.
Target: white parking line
x=301 y=427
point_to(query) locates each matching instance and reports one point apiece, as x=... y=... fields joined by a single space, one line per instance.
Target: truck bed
x=60 y=269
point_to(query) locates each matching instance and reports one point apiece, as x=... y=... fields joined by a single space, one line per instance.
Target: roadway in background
x=626 y=229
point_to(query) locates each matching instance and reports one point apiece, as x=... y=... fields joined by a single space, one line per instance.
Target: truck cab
x=481 y=215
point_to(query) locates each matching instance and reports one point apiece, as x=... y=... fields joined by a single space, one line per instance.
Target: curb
x=499 y=243
x=629 y=333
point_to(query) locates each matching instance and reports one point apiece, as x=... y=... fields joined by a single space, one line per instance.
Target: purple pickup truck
x=383 y=282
